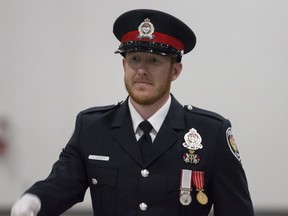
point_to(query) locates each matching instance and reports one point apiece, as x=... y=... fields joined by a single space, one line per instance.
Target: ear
x=123 y=63
x=176 y=70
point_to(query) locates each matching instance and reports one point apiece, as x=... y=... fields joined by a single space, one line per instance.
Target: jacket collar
x=167 y=136
x=175 y=116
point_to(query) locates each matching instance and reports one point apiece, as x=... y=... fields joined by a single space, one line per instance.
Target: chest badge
x=191 y=157
x=192 y=143
x=192 y=140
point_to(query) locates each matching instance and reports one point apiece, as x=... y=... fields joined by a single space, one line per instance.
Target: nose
x=142 y=69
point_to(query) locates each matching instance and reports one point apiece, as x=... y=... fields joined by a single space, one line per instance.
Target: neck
x=146 y=111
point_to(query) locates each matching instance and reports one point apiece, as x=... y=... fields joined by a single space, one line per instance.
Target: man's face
x=148 y=76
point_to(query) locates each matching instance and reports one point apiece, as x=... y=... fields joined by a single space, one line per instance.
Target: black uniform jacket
x=103 y=154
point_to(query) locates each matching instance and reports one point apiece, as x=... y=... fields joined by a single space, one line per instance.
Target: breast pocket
x=173 y=191
x=103 y=181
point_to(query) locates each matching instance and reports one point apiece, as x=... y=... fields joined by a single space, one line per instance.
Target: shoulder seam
x=207 y=113
x=101 y=108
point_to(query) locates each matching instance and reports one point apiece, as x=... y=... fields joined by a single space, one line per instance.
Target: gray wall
x=56 y=58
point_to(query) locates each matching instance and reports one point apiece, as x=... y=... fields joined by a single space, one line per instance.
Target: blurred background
x=57 y=58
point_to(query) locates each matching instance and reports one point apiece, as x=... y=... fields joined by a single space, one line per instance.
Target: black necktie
x=145 y=141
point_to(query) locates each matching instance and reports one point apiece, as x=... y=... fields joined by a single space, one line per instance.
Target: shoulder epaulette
x=101 y=108
x=200 y=111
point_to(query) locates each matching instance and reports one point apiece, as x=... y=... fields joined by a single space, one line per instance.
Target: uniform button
x=143 y=206
x=190 y=107
x=145 y=173
x=94 y=181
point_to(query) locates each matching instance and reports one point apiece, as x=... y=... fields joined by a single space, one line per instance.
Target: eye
x=135 y=58
x=155 y=60
x=132 y=59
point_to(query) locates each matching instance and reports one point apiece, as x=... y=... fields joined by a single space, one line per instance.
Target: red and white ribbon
x=186 y=179
x=198 y=179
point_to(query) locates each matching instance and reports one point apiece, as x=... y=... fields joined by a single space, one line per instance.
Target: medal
x=185 y=187
x=185 y=197
x=198 y=182
x=202 y=198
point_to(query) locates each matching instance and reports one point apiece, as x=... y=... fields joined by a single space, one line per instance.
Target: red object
x=158 y=38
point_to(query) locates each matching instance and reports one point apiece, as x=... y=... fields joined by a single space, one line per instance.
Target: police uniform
x=193 y=164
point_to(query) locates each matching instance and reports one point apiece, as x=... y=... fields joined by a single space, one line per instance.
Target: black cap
x=146 y=30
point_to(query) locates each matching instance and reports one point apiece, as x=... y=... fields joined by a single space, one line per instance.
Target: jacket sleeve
x=230 y=189
x=66 y=184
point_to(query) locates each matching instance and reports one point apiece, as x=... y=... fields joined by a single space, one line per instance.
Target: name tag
x=98 y=157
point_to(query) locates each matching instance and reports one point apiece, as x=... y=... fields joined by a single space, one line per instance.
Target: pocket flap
x=102 y=176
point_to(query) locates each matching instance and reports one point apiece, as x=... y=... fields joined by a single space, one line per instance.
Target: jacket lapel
x=123 y=134
x=167 y=135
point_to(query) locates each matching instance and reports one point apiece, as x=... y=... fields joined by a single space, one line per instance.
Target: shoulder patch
x=232 y=144
x=101 y=108
x=197 y=110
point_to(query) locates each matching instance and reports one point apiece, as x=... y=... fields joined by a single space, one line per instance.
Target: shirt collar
x=155 y=120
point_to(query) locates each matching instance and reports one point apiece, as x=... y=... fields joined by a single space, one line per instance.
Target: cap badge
x=146 y=29
x=192 y=140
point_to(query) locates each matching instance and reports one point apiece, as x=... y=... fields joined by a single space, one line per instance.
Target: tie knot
x=146 y=127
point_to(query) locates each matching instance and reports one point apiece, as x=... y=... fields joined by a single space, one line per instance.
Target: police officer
x=148 y=155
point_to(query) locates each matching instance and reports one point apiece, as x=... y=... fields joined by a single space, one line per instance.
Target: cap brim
x=150 y=47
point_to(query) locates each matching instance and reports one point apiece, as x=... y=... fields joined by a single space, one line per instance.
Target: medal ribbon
x=186 y=177
x=198 y=179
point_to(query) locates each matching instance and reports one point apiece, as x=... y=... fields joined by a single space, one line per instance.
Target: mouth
x=142 y=85
x=143 y=82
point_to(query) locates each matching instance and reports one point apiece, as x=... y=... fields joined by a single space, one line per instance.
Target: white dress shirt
x=155 y=120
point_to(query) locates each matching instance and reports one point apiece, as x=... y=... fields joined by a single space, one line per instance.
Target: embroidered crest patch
x=232 y=144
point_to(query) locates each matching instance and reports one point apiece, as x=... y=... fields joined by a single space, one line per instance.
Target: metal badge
x=198 y=181
x=146 y=29
x=202 y=198
x=191 y=157
x=192 y=140
x=185 y=197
